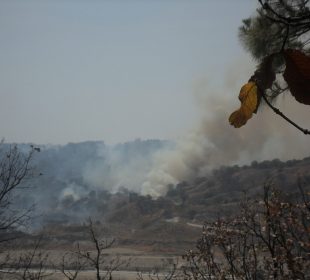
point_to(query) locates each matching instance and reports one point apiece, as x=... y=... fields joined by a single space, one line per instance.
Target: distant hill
x=215 y=195
x=72 y=174
x=83 y=180
x=173 y=222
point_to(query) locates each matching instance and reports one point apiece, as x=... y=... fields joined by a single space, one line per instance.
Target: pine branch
x=291 y=20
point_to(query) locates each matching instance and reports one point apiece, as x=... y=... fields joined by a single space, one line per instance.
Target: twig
x=294 y=21
x=278 y=112
x=286 y=37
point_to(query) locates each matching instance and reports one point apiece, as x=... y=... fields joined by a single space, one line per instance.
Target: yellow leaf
x=237 y=119
x=249 y=99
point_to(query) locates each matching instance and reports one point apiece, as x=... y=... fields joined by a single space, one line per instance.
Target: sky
x=114 y=71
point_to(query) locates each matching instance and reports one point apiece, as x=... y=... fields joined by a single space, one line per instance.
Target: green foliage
x=264 y=34
x=260 y=37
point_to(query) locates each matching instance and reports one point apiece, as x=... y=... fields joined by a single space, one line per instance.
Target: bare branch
x=278 y=112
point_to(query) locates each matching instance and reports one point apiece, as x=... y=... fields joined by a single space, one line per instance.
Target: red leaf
x=297 y=75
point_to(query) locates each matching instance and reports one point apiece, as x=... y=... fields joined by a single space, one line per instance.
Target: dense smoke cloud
x=214 y=142
x=122 y=166
x=76 y=173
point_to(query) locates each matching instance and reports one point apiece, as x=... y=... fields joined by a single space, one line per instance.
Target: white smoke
x=74 y=191
x=211 y=143
x=214 y=142
x=124 y=166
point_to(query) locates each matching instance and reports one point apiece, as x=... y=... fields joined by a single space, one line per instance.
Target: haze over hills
x=71 y=172
x=91 y=179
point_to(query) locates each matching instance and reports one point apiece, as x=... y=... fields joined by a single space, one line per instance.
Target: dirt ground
x=134 y=260
x=90 y=275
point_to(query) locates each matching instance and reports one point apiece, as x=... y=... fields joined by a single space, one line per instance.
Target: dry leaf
x=297 y=75
x=249 y=102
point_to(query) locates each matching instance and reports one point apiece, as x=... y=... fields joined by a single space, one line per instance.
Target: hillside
x=91 y=179
x=173 y=222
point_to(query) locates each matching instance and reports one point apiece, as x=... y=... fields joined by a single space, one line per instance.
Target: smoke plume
x=214 y=142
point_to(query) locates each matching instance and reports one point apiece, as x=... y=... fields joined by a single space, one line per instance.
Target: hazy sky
x=77 y=70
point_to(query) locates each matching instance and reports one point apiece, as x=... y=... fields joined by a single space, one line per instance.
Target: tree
x=268 y=239
x=97 y=259
x=278 y=38
x=168 y=271
x=29 y=265
x=278 y=24
x=72 y=264
x=15 y=168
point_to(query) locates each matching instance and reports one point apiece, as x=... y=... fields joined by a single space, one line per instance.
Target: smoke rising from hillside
x=77 y=178
x=147 y=167
x=214 y=142
x=74 y=171
x=120 y=167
